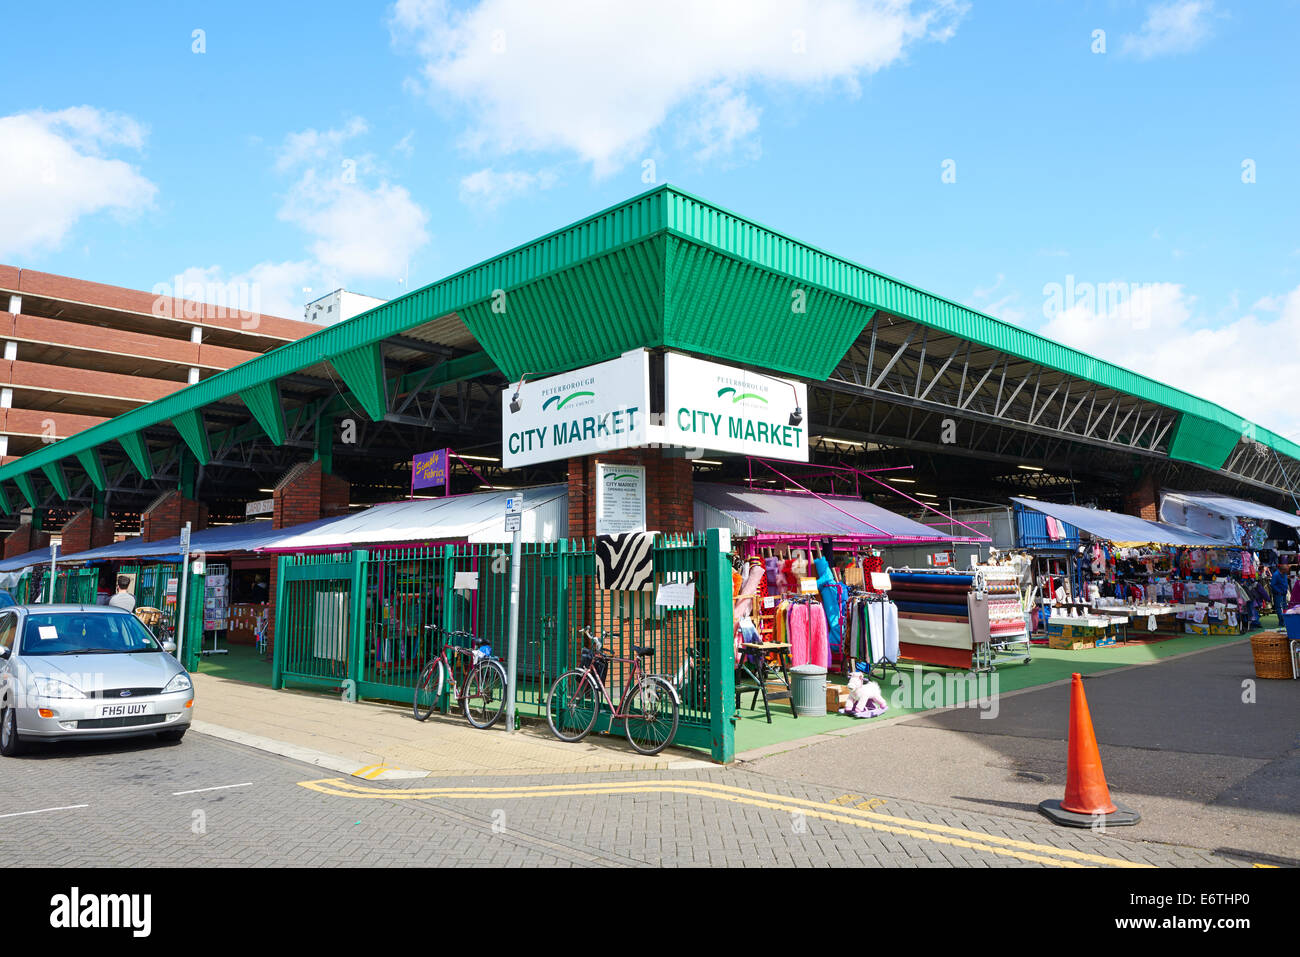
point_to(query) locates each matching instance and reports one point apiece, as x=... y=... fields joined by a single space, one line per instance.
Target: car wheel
x=172 y=736
x=10 y=744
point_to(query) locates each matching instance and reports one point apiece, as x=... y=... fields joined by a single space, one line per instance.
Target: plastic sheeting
x=1119 y=528
x=1172 y=503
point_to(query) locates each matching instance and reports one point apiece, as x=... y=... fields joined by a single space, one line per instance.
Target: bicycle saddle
x=645 y=651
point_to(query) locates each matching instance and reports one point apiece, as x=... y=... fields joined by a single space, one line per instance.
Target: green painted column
x=277 y=656
x=324 y=441
x=722 y=671
x=357 y=620
x=189 y=473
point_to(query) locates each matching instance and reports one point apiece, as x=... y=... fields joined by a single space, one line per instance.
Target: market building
x=639 y=364
x=78 y=353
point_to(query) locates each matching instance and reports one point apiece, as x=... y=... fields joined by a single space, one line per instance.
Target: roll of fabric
x=928 y=608
x=922 y=578
x=957 y=599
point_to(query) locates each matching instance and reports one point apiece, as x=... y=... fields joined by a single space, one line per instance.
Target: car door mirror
x=4 y=654
x=169 y=647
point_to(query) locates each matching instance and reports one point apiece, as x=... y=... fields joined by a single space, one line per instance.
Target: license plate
x=125 y=710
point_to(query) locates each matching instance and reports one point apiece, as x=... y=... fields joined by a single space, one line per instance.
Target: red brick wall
x=168 y=515
x=1144 y=500
x=670 y=495
x=22 y=540
x=306 y=494
x=84 y=531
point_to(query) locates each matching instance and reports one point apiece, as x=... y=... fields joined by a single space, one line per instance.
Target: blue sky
x=323 y=144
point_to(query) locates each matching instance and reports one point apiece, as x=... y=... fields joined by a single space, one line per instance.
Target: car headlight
x=178 y=683
x=54 y=688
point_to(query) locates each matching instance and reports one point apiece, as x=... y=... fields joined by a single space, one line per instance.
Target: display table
x=754 y=677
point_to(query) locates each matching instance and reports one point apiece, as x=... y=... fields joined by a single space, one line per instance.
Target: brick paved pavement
x=656 y=817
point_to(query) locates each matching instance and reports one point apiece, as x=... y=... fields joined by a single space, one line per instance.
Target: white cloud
x=722 y=124
x=598 y=79
x=55 y=170
x=1247 y=364
x=359 y=226
x=1177 y=27
x=273 y=289
x=488 y=189
x=362 y=226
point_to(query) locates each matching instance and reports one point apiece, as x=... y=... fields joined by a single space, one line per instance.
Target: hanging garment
x=791 y=581
x=829 y=590
x=773 y=571
x=798 y=632
x=818 y=647
x=625 y=562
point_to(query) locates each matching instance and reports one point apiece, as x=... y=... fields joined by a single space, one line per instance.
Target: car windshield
x=86 y=633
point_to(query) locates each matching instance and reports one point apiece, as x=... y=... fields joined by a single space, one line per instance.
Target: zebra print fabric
x=625 y=562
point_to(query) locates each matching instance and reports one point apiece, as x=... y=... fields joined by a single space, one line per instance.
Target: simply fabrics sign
x=712 y=406
x=593 y=409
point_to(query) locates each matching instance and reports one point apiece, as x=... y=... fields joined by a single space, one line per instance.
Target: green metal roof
x=664 y=268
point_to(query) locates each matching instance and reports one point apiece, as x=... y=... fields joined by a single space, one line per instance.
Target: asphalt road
x=1207 y=753
x=207 y=802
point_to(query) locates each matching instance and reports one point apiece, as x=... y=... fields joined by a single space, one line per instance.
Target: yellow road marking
x=939 y=833
x=361 y=772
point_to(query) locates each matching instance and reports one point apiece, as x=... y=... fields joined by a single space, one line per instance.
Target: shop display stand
x=1004 y=614
x=216 y=573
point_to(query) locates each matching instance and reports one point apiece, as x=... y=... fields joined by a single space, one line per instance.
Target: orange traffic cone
x=1087 y=800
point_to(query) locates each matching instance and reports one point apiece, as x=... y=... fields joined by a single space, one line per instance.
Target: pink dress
x=798 y=633
x=819 y=652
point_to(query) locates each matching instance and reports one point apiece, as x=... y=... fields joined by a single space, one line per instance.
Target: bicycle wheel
x=571 y=706
x=485 y=694
x=651 y=722
x=428 y=689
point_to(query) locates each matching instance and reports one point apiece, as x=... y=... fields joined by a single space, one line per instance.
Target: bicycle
x=648 y=709
x=482 y=696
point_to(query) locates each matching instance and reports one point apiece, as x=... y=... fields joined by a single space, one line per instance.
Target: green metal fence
x=365 y=623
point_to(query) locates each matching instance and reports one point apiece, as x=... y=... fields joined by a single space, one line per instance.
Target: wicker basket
x=148 y=615
x=1272 y=655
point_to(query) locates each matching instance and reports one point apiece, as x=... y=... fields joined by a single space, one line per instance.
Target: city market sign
x=596 y=408
x=728 y=409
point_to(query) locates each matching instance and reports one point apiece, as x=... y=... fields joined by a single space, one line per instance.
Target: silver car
x=86 y=671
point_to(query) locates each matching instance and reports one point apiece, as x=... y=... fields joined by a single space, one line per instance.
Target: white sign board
x=466 y=581
x=514 y=522
x=620 y=498
x=264 y=506
x=593 y=409
x=729 y=409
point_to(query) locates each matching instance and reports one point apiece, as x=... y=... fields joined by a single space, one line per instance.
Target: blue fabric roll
x=926 y=608
x=830 y=592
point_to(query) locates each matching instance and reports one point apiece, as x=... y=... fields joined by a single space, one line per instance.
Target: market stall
x=1137 y=579
x=798 y=552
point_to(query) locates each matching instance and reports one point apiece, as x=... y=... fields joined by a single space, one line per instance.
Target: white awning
x=479 y=517
x=1227 y=506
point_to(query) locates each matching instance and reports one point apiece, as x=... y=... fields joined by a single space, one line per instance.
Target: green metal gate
x=366 y=622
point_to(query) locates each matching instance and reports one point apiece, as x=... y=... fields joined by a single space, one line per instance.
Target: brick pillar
x=1144 y=500
x=22 y=540
x=307 y=493
x=669 y=500
x=168 y=514
x=84 y=531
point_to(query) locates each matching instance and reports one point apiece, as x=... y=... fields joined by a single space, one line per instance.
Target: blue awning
x=1117 y=527
x=38 y=556
x=221 y=540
